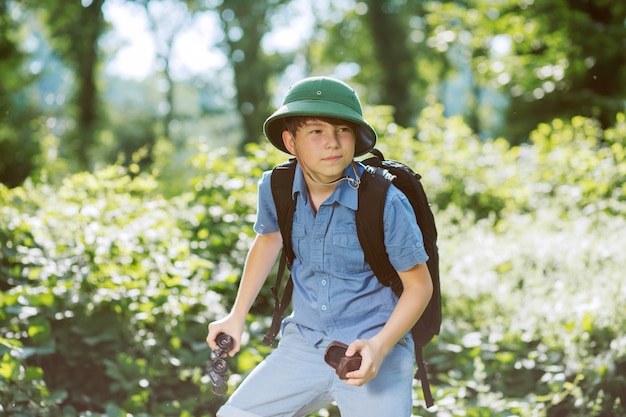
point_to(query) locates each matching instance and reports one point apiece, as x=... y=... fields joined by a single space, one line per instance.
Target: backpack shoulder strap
x=281 y=182
x=375 y=182
x=282 y=185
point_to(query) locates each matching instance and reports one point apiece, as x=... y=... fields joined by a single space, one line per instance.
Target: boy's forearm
x=259 y=262
x=411 y=305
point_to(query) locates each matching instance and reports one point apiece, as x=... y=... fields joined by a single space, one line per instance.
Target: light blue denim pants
x=295 y=381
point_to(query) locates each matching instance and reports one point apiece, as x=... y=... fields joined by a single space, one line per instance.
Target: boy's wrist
x=238 y=315
x=382 y=345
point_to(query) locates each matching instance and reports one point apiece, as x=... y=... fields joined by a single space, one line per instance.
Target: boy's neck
x=318 y=193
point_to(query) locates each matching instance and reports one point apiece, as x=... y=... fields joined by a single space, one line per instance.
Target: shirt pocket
x=346 y=252
x=299 y=241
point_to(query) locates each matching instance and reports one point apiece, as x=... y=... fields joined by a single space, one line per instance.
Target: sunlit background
x=131 y=145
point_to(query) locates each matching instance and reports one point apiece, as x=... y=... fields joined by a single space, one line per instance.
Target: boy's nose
x=331 y=137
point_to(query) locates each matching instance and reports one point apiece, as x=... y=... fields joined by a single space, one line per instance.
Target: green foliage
x=535 y=314
x=107 y=287
x=223 y=204
x=104 y=304
x=552 y=59
x=569 y=163
x=544 y=60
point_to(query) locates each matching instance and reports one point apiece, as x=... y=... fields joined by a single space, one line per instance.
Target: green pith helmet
x=321 y=96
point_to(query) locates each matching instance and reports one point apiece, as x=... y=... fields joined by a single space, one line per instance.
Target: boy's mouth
x=332 y=158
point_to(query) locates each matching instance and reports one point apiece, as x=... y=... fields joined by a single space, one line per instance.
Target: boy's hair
x=293 y=123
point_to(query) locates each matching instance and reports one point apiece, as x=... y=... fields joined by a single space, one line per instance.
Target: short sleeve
x=266 y=219
x=403 y=237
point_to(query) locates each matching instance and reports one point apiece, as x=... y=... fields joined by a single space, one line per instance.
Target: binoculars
x=218 y=370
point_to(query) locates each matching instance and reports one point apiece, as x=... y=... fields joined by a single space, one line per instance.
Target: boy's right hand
x=231 y=327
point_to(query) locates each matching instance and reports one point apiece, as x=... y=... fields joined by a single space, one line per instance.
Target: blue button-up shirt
x=336 y=294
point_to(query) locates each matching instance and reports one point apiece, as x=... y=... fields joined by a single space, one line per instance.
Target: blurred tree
x=589 y=76
x=167 y=19
x=554 y=58
x=244 y=24
x=386 y=40
x=74 y=30
x=396 y=54
x=18 y=115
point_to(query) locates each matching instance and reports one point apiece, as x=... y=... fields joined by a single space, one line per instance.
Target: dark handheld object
x=218 y=370
x=336 y=357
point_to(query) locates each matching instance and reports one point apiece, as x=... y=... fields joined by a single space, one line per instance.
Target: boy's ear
x=289 y=141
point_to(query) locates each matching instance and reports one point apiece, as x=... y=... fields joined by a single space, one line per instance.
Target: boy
x=336 y=295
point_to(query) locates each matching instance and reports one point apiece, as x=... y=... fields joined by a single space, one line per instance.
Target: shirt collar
x=344 y=194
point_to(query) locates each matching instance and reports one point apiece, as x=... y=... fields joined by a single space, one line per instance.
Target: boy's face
x=324 y=148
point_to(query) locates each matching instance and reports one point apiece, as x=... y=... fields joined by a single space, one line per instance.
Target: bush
x=104 y=305
x=107 y=287
x=533 y=310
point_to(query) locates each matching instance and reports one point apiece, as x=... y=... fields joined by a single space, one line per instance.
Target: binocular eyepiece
x=218 y=370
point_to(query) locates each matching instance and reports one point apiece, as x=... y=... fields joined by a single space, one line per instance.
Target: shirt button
x=318 y=241
x=323 y=282
x=324 y=307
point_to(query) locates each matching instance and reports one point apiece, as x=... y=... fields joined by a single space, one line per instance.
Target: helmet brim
x=274 y=126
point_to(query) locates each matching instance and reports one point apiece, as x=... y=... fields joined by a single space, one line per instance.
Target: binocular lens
x=224 y=341
x=220 y=366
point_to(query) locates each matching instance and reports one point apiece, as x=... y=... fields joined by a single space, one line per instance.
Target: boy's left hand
x=372 y=357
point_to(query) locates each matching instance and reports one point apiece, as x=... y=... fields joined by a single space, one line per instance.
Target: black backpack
x=375 y=181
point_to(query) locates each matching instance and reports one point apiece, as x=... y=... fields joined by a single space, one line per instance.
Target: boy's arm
x=259 y=262
x=418 y=289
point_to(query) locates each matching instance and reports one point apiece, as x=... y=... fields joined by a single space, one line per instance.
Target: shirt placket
x=320 y=228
